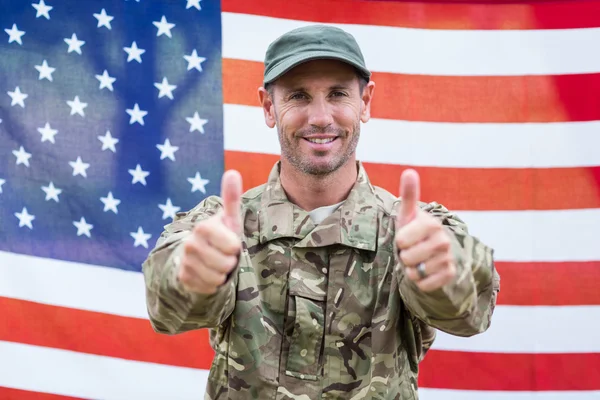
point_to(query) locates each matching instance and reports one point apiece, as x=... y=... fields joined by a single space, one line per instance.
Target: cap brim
x=292 y=62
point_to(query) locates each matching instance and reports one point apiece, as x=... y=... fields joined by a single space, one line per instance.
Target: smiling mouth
x=321 y=141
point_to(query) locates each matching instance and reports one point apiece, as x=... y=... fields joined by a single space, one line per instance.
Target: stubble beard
x=290 y=150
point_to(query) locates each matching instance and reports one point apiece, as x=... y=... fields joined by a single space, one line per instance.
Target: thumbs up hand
x=211 y=252
x=423 y=243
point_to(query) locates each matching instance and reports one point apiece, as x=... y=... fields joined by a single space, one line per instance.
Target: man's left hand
x=424 y=244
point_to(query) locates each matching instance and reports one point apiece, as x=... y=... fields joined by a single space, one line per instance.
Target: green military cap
x=310 y=43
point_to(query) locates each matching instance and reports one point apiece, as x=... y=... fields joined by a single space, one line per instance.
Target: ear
x=267 y=105
x=366 y=98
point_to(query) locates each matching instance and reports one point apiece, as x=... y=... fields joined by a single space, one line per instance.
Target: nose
x=320 y=113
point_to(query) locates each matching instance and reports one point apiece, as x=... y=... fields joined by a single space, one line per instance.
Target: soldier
x=317 y=284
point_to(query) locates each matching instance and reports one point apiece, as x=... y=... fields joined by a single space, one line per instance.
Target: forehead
x=318 y=72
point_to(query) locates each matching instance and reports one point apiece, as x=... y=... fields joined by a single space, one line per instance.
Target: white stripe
x=74 y=285
x=556 y=235
x=444 y=394
x=68 y=373
x=539 y=329
x=435 y=51
x=462 y=145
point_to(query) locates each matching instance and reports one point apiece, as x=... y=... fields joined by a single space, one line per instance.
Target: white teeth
x=321 y=141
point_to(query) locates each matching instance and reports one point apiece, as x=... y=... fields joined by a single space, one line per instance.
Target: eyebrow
x=303 y=89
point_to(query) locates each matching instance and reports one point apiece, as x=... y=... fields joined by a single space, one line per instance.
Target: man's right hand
x=212 y=251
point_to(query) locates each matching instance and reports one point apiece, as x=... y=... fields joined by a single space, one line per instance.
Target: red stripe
x=549 y=283
x=513 y=372
x=100 y=334
x=128 y=338
x=16 y=394
x=487 y=189
x=429 y=15
x=546 y=98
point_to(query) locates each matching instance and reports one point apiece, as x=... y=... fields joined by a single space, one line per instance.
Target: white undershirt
x=319 y=214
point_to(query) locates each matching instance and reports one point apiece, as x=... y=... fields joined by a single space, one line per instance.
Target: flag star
x=83 y=228
x=136 y=115
x=104 y=19
x=47 y=133
x=22 y=156
x=194 y=61
x=165 y=89
x=193 y=3
x=139 y=175
x=168 y=209
x=198 y=183
x=79 y=167
x=42 y=9
x=45 y=71
x=51 y=192
x=108 y=142
x=110 y=203
x=141 y=238
x=164 y=27
x=2 y=182
x=134 y=53
x=167 y=151
x=18 y=97
x=106 y=80
x=196 y=123
x=74 y=44
x=77 y=106
x=25 y=218
x=14 y=34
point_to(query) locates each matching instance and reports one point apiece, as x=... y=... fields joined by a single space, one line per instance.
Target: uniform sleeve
x=465 y=306
x=170 y=307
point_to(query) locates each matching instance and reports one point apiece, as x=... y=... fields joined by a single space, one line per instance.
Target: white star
x=17 y=97
x=196 y=123
x=79 y=167
x=47 y=133
x=193 y=3
x=103 y=19
x=110 y=203
x=139 y=175
x=164 y=27
x=198 y=183
x=106 y=81
x=77 y=106
x=141 y=238
x=167 y=151
x=22 y=156
x=45 y=71
x=14 y=34
x=42 y=9
x=74 y=44
x=136 y=115
x=168 y=209
x=51 y=192
x=165 y=89
x=134 y=53
x=108 y=142
x=25 y=218
x=83 y=228
x=2 y=182
x=194 y=61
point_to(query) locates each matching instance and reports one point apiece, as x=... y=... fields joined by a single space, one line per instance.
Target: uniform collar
x=353 y=224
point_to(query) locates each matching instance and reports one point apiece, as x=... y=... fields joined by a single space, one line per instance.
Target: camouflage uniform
x=320 y=311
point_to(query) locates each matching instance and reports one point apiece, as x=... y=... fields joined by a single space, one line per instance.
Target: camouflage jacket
x=319 y=312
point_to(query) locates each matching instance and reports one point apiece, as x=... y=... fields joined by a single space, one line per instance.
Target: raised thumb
x=231 y=193
x=410 y=189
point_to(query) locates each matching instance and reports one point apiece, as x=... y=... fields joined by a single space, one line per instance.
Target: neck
x=310 y=191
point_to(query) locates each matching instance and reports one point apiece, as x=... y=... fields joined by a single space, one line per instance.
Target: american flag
x=116 y=114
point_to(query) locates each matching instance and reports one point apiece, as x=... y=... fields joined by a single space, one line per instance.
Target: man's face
x=317 y=108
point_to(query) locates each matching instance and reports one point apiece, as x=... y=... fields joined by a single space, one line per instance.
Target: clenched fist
x=212 y=251
x=423 y=243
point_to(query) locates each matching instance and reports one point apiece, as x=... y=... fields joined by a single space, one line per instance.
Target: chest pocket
x=306 y=342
